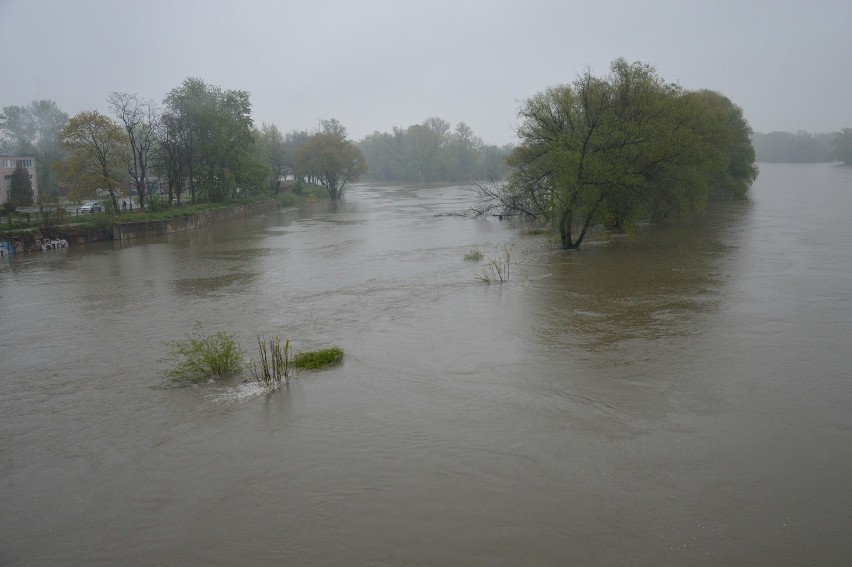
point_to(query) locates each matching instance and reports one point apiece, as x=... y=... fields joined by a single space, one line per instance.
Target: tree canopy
x=21 y=190
x=842 y=146
x=210 y=135
x=139 y=118
x=330 y=158
x=614 y=149
x=431 y=151
x=273 y=151
x=793 y=147
x=97 y=150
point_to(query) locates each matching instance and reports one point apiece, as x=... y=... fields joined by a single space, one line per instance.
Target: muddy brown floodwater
x=680 y=396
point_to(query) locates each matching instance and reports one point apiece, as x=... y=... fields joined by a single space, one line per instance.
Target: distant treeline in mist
x=432 y=151
x=201 y=142
x=794 y=147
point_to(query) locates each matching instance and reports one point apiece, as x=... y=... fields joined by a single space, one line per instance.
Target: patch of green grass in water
x=317 y=359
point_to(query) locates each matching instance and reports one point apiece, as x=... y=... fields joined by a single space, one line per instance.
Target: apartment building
x=8 y=163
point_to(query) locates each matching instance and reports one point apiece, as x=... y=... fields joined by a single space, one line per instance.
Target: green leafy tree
x=462 y=149
x=422 y=148
x=293 y=139
x=384 y=153
x=334 y=127
x=273 y=152
x=428 y=152
x=330 y=158
x=793 y=147
x=728 y=135
x=491 y=162
x=229 y=151
x=97 y=150
x=842 y=146
x=21 y=191
x=169 y=159
x=212 y=134
x=613 y=149
x=180 y=152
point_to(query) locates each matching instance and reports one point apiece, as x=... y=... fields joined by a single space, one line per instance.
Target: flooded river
x=680 y=396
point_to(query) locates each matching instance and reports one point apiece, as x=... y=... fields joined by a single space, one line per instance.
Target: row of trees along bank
x=432 y=152
x=201 y=144
x=609 y=150
x=796 y=147
x=616 y=149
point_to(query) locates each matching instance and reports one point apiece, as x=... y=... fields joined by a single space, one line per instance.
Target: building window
x=7 y=177
x=13 y=163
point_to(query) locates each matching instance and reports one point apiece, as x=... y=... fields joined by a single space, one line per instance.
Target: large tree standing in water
x=614 y=149
x=330 y=158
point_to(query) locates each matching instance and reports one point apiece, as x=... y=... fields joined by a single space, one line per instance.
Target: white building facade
x=8 y=164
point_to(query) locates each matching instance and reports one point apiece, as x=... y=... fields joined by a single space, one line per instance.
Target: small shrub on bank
x=297 y=192
x=100 y=222
x=314 y=360
x=198 y=357
x=290 y=199
x=154 y=203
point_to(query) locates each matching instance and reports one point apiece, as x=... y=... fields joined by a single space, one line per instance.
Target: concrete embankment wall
x=128 y=230
x=31 y=240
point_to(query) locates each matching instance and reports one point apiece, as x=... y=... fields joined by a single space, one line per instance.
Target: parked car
x=91 y=207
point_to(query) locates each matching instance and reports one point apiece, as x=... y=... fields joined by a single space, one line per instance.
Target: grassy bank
x=25 y=229
x=154 y=211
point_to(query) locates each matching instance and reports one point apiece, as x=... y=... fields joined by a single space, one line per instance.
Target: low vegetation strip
x=201 y=357
x=315 y=360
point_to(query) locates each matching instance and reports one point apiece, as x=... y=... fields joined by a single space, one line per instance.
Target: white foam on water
x=239 y=393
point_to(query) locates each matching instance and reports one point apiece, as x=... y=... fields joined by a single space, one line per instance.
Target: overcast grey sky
x=375 y=64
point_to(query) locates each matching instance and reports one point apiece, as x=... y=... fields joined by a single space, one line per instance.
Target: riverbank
x=38 y=239
x=140 y=229
x=112 y=228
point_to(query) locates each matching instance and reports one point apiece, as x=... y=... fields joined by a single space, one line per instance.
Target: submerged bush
x=319 y=358
x=198 y=357
x=473 y=256
x=535 y=230
x=275 y=364
x=496 y=269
